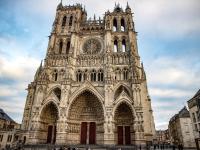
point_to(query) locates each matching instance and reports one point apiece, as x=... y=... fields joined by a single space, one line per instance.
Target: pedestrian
x=173 y=147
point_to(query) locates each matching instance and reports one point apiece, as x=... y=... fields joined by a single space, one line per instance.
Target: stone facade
x=180 y=129
x=92 y=87
x=9 y=130
x=194 y=109
x=162 y=137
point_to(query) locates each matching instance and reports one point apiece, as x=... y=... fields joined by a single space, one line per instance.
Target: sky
x=168 y=43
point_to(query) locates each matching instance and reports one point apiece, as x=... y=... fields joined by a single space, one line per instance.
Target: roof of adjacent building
x=193 y=101
x=183 y=113
x=4 y=116
x=197 y=94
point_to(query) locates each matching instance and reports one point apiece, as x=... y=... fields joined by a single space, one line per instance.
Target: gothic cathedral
x=92 y=87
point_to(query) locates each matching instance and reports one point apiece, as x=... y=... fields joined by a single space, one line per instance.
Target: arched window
x=79 y=76
x=123 y=45
x=60 y=47
x=55 y=75
x=64 y=21
x=117 y=74
x=114 y=25
x=122 y=25
x=85 y=75
x=68 y=47
x=100 y=75
x=93 y=75
x=125 y=74
x=116 y=46
x=70 y=21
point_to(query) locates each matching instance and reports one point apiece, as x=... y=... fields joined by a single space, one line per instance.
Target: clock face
x=92 y=46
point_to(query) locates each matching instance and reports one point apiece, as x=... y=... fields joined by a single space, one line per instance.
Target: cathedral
x=91 y=87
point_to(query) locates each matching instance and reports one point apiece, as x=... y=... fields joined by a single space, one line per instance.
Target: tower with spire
x=91 y=87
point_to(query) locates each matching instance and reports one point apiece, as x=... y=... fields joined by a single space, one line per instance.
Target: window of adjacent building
x=1 y=138
x=9 y=138
x=196 y=127
x=186 y=128
x=193 y=117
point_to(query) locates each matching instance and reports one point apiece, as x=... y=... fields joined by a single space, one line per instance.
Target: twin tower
x=92 y=87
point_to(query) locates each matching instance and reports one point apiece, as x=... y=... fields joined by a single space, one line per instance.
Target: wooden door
x=120 y=134
x=49 y=134
x=83 y=133
x=92 y=133
x=54 y=137
x=127 y=135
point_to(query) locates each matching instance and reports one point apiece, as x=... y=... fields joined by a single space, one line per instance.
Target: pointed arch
x=116 y=47
x=124 y=85
x=122 y=25
x=70 y=20
x=60 y=47
x=128 y=104
x=114 y=24
x=49 y=104
x=49 y=116
x=124 y=47
x=64 y=21
x=68 y=47
x=121 y=89
x=87 y=87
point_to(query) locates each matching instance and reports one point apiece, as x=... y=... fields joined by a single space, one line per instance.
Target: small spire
x=94 y=17
x=127 y=6
x=41 y=63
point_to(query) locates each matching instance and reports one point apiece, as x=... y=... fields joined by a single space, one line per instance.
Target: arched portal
x=123 y=124
x=86 y=120
x=48 y=121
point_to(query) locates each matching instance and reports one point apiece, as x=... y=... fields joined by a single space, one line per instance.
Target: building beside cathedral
x=92 y=87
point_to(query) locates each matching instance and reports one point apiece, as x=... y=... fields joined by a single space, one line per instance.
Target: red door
x=92 y=133
x=127 y=135
x=49 y=134
x=120 y=134
x=84 y=133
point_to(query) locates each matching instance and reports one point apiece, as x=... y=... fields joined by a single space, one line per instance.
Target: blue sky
x=168 y=41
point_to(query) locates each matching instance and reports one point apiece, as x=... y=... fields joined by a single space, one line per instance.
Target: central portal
x=86 y=120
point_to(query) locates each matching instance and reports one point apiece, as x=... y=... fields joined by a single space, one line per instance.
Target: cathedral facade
x=92 y=87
